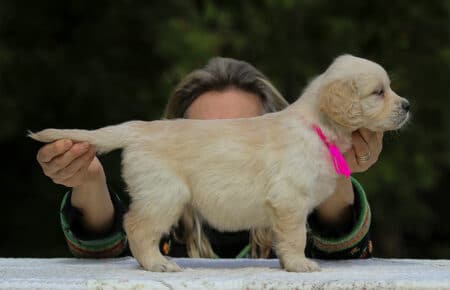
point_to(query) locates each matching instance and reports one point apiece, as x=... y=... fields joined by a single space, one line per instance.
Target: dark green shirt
x=348 y=242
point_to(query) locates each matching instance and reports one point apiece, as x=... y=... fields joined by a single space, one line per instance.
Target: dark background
x=87 y=64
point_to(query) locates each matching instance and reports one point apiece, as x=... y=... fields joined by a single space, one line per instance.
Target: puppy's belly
x=232 y=215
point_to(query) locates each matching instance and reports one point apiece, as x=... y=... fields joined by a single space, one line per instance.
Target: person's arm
x=93 y=200
x=340 y=225
x=337 y=210
x=90 y=217
x=85 y=243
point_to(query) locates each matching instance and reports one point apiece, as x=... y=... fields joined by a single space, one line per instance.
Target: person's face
x=227 y=104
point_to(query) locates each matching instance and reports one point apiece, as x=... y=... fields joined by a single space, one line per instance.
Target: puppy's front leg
x=290 y=234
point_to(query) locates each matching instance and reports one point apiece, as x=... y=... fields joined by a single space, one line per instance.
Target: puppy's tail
x=104 y=139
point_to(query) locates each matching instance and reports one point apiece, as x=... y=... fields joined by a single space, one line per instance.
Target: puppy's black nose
x=405 y=105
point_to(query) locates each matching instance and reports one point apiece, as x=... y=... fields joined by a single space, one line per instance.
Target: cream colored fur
x=267 y=171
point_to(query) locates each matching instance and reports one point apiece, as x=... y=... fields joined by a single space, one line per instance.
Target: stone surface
x=125 y=273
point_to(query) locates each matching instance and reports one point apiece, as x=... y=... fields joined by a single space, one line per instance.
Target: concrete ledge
x=124 y=273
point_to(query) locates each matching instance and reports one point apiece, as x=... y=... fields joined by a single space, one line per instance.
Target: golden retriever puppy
x=266 y=171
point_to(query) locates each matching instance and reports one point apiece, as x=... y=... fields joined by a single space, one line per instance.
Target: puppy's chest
x=308 y=166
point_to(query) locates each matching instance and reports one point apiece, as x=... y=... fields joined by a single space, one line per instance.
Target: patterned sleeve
x=83 y=244
x=350 y=242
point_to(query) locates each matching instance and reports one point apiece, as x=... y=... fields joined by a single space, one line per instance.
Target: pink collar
x=340 y=164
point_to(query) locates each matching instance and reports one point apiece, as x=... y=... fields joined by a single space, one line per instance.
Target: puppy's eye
x=379 y=92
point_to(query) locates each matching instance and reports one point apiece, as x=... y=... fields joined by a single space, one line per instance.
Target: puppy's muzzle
x=402 y=113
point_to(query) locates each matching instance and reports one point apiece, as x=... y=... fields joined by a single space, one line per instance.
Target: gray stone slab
x=125 y=273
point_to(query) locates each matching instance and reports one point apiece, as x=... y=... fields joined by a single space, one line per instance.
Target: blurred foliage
x=88 y=64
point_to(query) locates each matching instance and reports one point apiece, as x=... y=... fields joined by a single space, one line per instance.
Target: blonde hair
x=220 y=74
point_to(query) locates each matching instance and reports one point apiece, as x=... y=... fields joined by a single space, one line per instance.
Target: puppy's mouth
x=401 y=120
x=395 y=122
x=398 y=121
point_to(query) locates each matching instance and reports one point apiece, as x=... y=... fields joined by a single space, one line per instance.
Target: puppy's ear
x=340 y=102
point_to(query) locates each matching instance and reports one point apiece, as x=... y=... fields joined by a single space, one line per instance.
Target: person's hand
x=75 y=165
x=70 y=164
x=366 y=148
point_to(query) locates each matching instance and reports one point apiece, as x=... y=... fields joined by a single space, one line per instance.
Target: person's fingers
x=380 y=136
x=361 y=148
x=51 y=150
x=371 y=138
x=62 y=161
x=350 y=157
x=74 y=180
x=67 y=158
x=366 y=134
x=78 y=164
x=374 y=141
x=379 y=140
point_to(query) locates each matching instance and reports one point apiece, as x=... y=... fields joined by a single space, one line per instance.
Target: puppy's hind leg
x=152 y=213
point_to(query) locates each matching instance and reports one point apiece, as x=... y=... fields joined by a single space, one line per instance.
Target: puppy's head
x=355 y=93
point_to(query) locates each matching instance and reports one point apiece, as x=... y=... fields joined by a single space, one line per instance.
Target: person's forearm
x=94 y=202
x=337 y=208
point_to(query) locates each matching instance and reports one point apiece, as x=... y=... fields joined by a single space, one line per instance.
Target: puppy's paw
x=162 y=266
x=300 y=264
